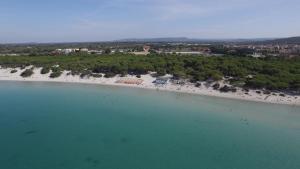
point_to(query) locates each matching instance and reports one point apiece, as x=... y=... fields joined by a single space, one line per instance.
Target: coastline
x=6 y=75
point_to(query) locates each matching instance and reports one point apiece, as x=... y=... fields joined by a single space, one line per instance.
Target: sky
x=105 y=20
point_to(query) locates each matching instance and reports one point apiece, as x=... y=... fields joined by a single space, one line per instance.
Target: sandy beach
x=147 y=83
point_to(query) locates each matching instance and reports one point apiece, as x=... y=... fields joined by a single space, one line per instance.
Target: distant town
x=286 y=48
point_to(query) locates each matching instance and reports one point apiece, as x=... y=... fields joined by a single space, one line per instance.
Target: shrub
x=123 y=74
x=85 y=73
x=27 y=73
x=198 y=84
x=107 y=51
x=226 y=89
x=282 y=95
x=109 y=75
x=179 y=74
x=216 y=76
x=55 y=74
x=45 y=70
x=161 y=72
x=96 y=75
x=13 y=71
x=233 y=89
x=74 y=72
x=266 y=92
x=216 y=86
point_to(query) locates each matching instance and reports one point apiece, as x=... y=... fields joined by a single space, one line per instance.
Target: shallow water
x=71 y=126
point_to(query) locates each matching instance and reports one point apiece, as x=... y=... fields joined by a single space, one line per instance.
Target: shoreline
x=5 y=75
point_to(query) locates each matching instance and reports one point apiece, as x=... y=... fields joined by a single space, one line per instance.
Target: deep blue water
x=71 y=126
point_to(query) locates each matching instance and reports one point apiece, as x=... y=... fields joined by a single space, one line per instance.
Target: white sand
x=147 y=84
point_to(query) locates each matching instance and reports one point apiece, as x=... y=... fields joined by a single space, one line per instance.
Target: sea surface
x=75 y=126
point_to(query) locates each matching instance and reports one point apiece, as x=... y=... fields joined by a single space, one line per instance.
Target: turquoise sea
x=75 y=126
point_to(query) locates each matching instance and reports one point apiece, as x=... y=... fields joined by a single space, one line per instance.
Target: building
x=146 y=48
x=67 y=51
x=161 y=80
x=84 y=50
x=145 y=52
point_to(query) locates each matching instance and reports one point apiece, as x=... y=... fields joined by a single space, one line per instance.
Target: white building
x=84 y=50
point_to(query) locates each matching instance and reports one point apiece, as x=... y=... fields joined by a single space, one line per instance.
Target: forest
x=247 y=72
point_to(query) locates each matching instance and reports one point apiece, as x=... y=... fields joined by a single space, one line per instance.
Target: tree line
x=247 y=72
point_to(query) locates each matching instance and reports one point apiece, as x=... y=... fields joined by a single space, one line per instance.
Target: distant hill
x=174 y=39
x=291 y=40
x=185 y=40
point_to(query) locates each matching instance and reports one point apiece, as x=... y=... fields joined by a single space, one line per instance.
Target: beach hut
x=161 y=81
x=179 y=81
